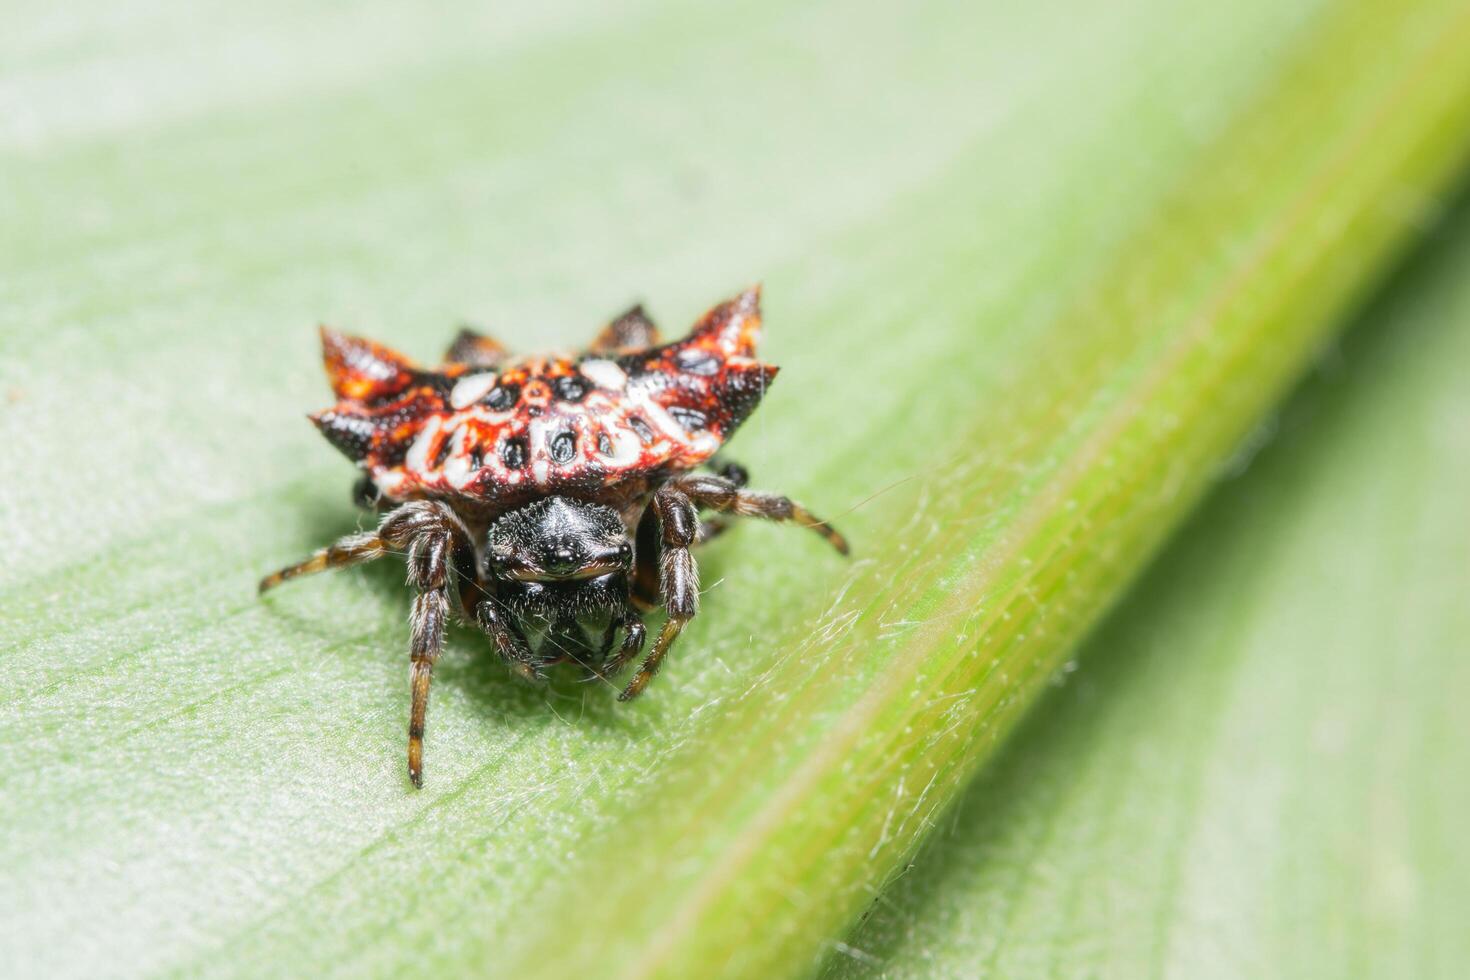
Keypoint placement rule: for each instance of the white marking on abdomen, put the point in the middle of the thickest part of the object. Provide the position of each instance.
(471, 389)
(457, 470)
(417, 457)
(604, 373)
(626, 446)
(665, 422)
(539, 451)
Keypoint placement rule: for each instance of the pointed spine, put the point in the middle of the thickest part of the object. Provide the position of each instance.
(731, 329)
(739, 390)
(630, 331)
(477, 350)
(363, 370)
(352, 435)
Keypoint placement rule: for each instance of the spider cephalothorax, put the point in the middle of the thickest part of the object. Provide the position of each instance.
(544, 494)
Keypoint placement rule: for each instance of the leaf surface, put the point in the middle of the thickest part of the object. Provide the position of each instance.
(1257, 767)
(1030, 274)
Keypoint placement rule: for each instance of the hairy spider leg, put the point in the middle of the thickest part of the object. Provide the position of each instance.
(721, 494)
(438, 547)
(635, 634)
(676, 505)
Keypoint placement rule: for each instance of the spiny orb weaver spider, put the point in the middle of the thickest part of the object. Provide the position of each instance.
(538, 494)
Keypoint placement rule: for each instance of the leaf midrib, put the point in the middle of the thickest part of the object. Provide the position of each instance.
(1058, 485)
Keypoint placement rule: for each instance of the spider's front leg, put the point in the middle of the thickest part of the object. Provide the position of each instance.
(676, 505)
(438, 548)
(438, 545)
(678, 521)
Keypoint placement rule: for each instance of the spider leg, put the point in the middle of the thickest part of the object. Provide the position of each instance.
(509, 641)
(730, 470)
(738, 475)
(354, 549)
(676, 507)
(678, 579)
(438, 548)
(721, 494)
(634, 636)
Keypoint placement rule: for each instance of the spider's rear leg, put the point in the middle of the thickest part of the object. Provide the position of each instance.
(438, 547)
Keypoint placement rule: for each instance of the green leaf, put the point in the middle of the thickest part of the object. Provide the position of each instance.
(1258, 767)
(1030, 274)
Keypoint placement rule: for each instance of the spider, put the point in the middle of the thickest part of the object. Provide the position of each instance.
(536, 496)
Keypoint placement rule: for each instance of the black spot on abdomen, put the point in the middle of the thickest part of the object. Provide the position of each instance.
(689, 418)
(563, 446)
(640, 427)
(695, 361)
(513, 453)
(502, 397)
(570, 388)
